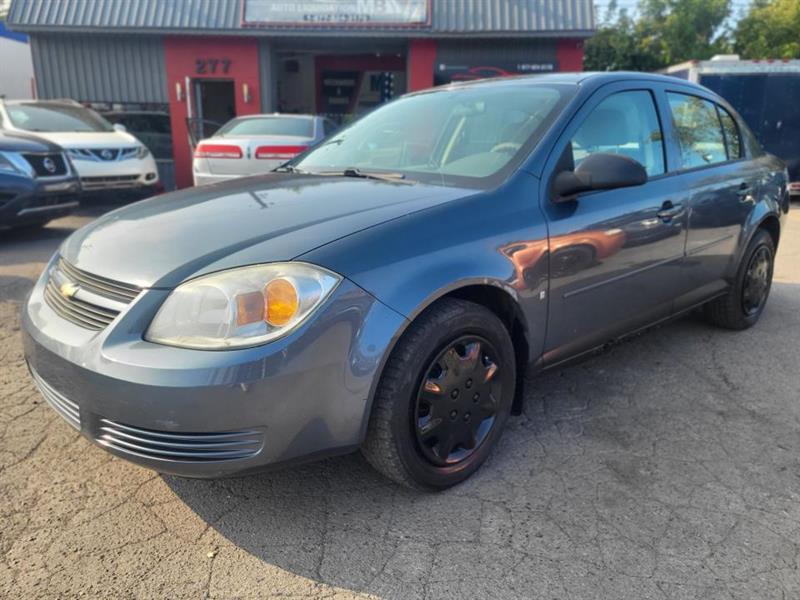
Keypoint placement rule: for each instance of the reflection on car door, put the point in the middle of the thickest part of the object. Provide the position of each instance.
(723, 186)
(614, 255)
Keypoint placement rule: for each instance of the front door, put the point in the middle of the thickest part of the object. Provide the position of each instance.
(615, 256)
(214, 102)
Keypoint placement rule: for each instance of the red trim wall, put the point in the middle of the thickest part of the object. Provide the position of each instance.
(421, 64)
(569, 54)
(180, 55)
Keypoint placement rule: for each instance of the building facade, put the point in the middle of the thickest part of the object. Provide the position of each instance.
(17, 79)
(202, 62)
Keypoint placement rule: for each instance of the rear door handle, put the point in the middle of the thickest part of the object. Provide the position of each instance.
(744, 190)
(669, 210)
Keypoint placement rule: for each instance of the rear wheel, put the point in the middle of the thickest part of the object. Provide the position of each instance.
(742, 306)
(443, 398)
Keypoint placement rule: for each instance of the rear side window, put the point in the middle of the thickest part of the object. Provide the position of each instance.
(624, 123)
(732, 140)
(699, 131)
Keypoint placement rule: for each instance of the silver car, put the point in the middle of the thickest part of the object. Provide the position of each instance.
(256, 144)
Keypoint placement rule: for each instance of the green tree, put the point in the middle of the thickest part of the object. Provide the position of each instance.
(664, 32)
(771, 29)
(618, 45)
(685, 29)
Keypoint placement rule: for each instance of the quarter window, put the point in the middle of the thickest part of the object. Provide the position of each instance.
(625, 123)
(699, 131)
(732, 139)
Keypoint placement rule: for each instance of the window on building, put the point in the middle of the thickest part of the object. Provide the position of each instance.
(625, 123)
(699, 131)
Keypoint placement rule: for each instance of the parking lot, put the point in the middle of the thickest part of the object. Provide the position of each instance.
(664, 468)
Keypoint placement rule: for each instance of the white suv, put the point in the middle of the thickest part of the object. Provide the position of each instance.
(106, 157)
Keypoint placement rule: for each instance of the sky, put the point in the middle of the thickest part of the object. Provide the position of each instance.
(739, 6)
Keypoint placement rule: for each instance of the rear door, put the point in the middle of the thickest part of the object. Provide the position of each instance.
(723, 184)
(615, 255)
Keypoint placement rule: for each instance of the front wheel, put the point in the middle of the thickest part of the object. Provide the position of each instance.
(742, 306)
(443, 398)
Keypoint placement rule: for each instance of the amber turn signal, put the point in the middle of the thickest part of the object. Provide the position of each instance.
(282, 302)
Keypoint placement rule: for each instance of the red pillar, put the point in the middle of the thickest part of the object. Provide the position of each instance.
(421, 64)
(569, 54)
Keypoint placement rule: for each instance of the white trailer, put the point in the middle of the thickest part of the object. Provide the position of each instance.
(767, 95)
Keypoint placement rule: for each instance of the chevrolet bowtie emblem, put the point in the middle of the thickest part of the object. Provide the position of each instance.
(68, 289)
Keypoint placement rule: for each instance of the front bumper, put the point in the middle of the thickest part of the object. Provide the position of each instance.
(176, 410)
(128, 174)
(34, 201)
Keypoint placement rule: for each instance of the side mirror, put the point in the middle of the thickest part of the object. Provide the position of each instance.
(120, 127)
(599, 171)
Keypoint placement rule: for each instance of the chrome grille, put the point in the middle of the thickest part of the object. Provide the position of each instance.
(47, 165)
(103, 154)
(81, 313)
(115, 290)
(58, 402)
(184, 447)
(86, 300)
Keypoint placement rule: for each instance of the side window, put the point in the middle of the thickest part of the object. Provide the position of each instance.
(625, 123)
(699, 130)
(732, 140)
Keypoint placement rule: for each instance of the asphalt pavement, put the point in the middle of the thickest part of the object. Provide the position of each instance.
(667, 467)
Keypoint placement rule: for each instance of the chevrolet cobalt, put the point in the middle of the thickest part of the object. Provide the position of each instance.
(388, 289)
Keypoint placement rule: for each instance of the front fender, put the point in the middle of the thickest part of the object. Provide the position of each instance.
(411, 262)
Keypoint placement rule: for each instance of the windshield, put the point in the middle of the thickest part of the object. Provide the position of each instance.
(473, 135)
(56, 118)
(290, 126)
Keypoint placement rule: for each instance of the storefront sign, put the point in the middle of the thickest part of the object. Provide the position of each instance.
(446, 73)
(336, 12)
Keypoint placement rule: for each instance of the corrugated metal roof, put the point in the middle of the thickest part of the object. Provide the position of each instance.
(449, 17)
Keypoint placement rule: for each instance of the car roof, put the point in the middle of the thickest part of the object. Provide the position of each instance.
(278, 115)
(64, 102)
(596, 78)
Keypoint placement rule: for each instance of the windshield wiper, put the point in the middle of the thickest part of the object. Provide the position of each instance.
(358, 173)
(289, 169)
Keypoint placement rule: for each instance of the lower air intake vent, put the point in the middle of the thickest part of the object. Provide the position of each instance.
(58, 402)
(182, 447)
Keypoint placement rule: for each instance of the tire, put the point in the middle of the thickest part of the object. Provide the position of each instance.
(428, 410)
(737, 309)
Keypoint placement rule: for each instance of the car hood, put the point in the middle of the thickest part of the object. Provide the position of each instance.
(89, 139)
(164, 240)
(23, 142)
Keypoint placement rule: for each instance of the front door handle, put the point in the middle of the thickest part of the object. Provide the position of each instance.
(669, 211)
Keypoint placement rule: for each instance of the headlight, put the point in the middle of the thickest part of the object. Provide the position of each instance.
(10, 163)
(142, 152)
(241, 307)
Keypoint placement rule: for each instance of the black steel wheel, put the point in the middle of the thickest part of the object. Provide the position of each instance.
(742, 306)
(443, 398)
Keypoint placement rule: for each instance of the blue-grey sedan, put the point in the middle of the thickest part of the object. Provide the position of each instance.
(389, 289)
